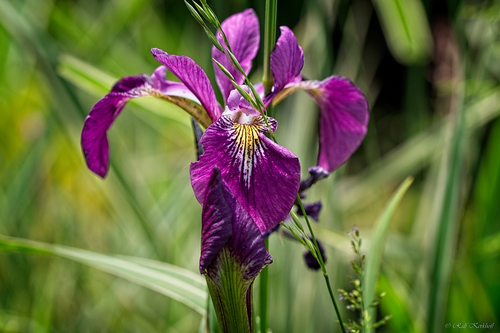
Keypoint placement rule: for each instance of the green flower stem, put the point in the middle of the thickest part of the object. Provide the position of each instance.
(269, 42)
(263, 293)
(229, 290)
(267, 80)
(321, 263)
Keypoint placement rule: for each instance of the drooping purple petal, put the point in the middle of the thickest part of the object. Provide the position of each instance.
(94, 139)
(128, 83)
(193, 77)
(263, 176)
(102, 115)
(227, 225)
(343, 107)
(287, 59)
(242, 32)
(343, 117)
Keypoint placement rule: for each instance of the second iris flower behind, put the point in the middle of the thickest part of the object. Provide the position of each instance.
(263, 176)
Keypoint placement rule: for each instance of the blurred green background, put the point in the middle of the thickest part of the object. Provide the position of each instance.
(430, 70)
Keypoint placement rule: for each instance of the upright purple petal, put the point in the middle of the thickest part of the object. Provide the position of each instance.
(94, 139)
(287, 59)
(263, 176)
(242, 32)
(227, 225)
(193, 77)
(236, 102)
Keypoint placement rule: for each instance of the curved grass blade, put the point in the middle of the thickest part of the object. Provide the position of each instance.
(169, 280)
(374, 257)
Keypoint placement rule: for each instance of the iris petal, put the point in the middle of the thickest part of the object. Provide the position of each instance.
(287, 59)
(170, 88)
(102, 115)
(193, 77)
(242, 32)
(263, 176)
(343, 107)
(343, 119)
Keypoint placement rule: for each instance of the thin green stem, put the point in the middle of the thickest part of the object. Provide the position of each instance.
(269, 42)
(321, 263)
(263, 293)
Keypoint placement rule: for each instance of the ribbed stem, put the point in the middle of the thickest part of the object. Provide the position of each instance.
(269, 42)
(267, 80)
(263, 293)
(231, 295)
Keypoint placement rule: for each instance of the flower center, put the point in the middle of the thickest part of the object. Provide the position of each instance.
(249, 148)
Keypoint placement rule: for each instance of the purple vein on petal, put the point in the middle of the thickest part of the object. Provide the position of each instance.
(263, 176)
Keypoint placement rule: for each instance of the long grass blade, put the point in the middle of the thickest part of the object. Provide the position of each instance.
(447, 232)
(374, 254)
(406, 29)
(169, 280)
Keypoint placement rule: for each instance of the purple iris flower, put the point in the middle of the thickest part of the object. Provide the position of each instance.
(263, 177)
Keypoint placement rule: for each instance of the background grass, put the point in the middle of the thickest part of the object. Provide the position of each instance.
(435, 100)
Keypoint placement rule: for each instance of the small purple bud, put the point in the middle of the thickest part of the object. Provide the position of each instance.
(311, 262)
(312, 210)
(198, 132)
(355, 230)
(316, 174)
